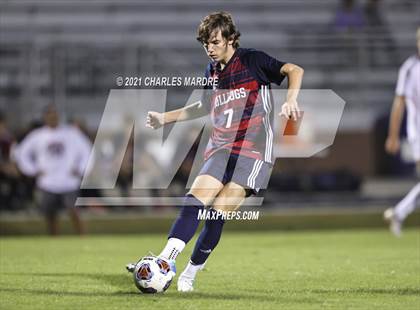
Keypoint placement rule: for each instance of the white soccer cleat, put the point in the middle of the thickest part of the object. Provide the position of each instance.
(395, 224)
(185, 284)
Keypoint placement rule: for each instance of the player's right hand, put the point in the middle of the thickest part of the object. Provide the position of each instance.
(392, 145)
(154, 120)
(290, 110)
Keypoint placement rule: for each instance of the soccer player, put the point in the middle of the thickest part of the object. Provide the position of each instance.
(407, 94)
(238, 158)
(56, 155)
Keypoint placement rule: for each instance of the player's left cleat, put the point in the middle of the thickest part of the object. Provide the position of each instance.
(395, 224)
(187, 277)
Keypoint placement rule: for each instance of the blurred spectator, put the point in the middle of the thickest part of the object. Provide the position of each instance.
(56, 155)
(349, 17)
(5, 138)
(9, 175)
(348, 23)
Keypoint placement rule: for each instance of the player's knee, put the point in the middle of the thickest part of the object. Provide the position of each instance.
(226, 204)
(205, 196)
(224, 207)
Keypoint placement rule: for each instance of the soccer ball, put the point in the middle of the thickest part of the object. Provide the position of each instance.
(153, 275)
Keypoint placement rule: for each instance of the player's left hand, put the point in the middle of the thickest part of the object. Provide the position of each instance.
(290, 109)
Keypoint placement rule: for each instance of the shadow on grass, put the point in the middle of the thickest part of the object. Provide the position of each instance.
(124, 287)
(350, 291)
(122, 281)
(166, 296)
(48, 292)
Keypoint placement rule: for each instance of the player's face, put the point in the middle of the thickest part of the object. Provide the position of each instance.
(51, 118)
(218, 48)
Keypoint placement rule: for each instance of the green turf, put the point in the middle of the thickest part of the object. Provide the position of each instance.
(271, 270)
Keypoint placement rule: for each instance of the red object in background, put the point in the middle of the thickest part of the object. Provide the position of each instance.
(292, 126)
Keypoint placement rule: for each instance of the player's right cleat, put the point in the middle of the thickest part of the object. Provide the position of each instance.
(131, 266)
(185, 283)
(394, 223)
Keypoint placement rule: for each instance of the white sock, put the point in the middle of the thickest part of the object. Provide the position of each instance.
(172, 249)
(191, 270)
(408, 204)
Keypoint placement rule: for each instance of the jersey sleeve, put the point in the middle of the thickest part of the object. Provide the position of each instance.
(25, 155)
(402, 77)
(265, 68)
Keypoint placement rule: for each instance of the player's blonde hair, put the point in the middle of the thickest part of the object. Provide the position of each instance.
(222, 21)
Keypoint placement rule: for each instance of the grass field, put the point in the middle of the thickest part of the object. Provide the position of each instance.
(359, 269)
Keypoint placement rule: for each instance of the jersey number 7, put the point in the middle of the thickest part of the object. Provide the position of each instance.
(229, 118)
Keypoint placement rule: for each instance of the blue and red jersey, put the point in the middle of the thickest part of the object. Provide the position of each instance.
(240, 105)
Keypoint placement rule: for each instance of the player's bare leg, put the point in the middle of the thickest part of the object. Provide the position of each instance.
(396, 216)
(205, 188)
(76, 220)
(230, 198)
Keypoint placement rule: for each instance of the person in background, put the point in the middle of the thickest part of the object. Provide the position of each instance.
(9, 175)
(407, 94)
(56, 156)
(349, 17)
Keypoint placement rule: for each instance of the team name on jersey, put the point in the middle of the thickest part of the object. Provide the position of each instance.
(227, 97)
